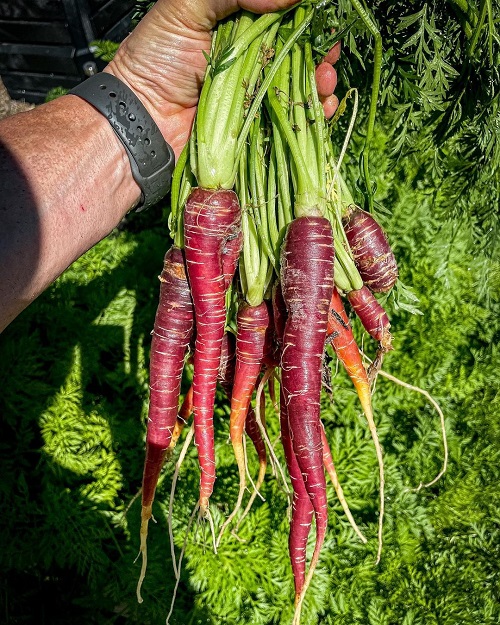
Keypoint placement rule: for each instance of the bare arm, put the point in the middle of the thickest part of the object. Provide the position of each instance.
(65, 182)
(65, 178)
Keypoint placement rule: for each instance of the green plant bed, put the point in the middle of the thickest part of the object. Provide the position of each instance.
(74, 404)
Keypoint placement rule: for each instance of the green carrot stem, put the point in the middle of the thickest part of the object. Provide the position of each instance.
(256, 246)
(318, 126)
(258, 190)
(241, 44)
(284, 216)
(221, 110)
(298, 96)
(483, 9)
(347, 264)
(247, 80)
(284, 198)
(221, 88)
(304, 182)
(267, 81)
(250, 257)
(272, 191)
(175, 196)
(281, 84)
(251, 254)
(186, 187)
(341, 280)
(377, 69)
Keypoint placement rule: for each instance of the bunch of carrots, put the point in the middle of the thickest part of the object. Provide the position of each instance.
(267, 243)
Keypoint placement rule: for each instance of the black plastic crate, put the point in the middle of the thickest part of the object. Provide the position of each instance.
(46, 43)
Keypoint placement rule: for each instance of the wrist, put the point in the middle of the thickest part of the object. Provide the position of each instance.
(151, 158)
(105, 157)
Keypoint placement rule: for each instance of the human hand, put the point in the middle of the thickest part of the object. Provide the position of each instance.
(162, 59)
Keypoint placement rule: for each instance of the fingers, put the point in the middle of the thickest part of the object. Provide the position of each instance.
(326, 81)
(204, 14)
(266, 6)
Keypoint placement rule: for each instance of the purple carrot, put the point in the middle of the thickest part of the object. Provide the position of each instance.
(372, 253)
(172, 331)
(212, 219)
(372, 315)
(307, 284)
(302, 508)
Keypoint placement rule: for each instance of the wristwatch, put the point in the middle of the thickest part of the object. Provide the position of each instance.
(151, 158)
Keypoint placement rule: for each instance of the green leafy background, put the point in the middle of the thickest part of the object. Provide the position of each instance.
(74, 402)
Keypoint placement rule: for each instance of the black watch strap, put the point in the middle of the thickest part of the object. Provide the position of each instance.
(151, 158)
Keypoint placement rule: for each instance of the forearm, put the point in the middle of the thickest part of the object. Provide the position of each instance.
(65, 183)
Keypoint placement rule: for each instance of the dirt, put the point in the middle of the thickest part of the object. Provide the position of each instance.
(9, 106)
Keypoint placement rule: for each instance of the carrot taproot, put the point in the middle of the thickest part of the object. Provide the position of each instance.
(372, 315)
(211, 219)
(302, 508)
(172, 331)
(253, 430)
(252, 344)
(372, 253)
(340, 335)
(307, 283)
(226, 378)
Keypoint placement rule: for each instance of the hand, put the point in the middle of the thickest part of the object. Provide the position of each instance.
(162, 59)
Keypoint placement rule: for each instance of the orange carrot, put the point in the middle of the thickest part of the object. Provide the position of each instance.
(339, 334)
(252, 344)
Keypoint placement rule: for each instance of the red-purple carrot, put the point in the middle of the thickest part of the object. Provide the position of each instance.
(279, 315)
(172, 331)
(302, 508)
(212, 218)
(372, 315)
(372, 253)
(307, 283)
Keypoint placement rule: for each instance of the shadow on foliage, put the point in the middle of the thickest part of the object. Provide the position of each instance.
(72, 448)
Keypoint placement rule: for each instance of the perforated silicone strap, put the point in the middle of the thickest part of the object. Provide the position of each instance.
(151, 158)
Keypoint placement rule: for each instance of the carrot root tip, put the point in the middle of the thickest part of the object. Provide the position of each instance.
(146, 514)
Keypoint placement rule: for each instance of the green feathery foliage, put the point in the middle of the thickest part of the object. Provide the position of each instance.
(74, 406)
